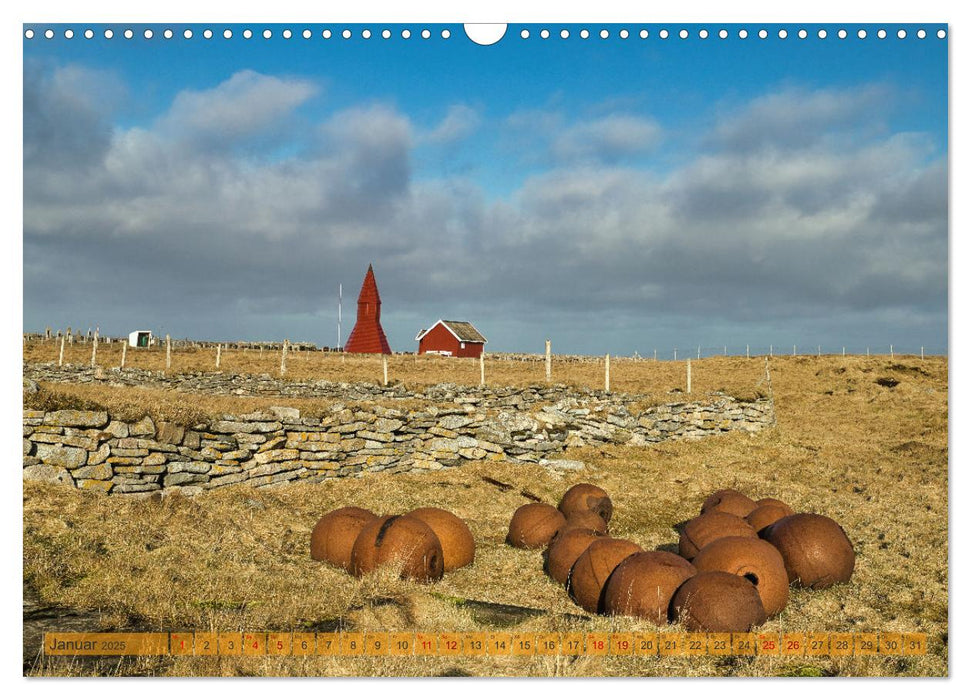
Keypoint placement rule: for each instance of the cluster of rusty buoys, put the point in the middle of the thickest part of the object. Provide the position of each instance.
(737, 559)
(425, 543)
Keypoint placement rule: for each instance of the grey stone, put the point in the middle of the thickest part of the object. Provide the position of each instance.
(188, 467)
(49, 473)
(146, 426)
(183, 478)
(117, 428)
(228, 426)
(170, 433)
(77, 419)
(285, 413)
(101, 472)
(67, 457)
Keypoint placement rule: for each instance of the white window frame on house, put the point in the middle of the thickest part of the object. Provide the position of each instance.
(463, 346)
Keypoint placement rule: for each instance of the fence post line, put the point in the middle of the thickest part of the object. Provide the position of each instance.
(283, 356)
(607, 373)
(124, 351)
(219, 352)
(168, 351)
(689, 375)
(60, 357)
(549, 362)
(482, 369)
(94, 350)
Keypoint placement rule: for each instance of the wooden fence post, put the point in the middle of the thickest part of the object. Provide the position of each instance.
(746, 352)
(219, 352)
(124, 351)
(689, 375)
(384, 367)
(60, 358)
(868, 352)
(844, 351)
(283, 357)
(549, 362)
(655, 354)
(770, 351)
(675, 354)
(793, 350)
(482, 369)
(607, 373)
(922, 353)
(891, 352)
(168, 351)
(94, 350)
(699, 352)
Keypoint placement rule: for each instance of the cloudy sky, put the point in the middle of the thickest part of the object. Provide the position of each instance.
(614, 195)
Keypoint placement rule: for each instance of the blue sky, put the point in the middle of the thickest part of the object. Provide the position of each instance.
(614, 195)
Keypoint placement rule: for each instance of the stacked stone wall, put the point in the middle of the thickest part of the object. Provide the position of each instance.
(91, 450)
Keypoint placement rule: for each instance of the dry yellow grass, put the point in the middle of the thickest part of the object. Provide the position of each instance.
(872, 457)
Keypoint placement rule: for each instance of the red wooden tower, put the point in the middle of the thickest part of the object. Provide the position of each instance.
(368, 336)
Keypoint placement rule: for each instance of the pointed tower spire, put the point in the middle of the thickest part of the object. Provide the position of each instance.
(368, 336)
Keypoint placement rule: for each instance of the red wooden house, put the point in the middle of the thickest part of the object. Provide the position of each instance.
(454, 338)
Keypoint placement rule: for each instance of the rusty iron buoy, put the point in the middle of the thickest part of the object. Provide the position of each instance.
(643, 584)
(709, 527)
(816, 551)
(333, 536)
(587, 519)
(715, 601)
(766, 514)
(458, 546)
(752, 559)
(728, 501)
(594, 566)
(402, 540)
(534, 525)
(564, 550)
(583, 497)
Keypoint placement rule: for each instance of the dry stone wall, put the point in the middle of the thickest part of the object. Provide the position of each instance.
(90, 450)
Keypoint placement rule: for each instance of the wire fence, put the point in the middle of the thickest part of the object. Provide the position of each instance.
(702, 351)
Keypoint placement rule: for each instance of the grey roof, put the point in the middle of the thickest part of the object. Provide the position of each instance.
(465, 331)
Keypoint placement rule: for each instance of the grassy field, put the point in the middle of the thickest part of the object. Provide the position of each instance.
(849, 443)
(627, 375)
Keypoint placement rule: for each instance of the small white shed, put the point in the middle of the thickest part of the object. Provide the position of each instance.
(139, 339)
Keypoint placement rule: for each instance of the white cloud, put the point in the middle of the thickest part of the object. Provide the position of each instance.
(611, 138)
(459, 122)
(243, 105)
(794, 117)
